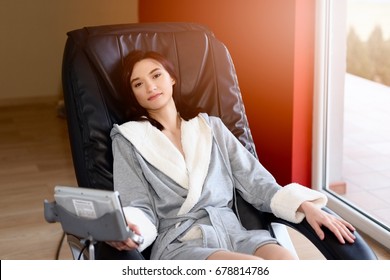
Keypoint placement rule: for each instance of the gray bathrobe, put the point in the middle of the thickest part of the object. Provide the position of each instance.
(186, 202)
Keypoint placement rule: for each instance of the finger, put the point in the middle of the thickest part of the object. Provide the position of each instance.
(348, 235)
(338, 235)
(123, 245)
(115, 244)
(130, 244)
(348, 225)
(317, 228)
(135, 229)
(343, 233)
(346, 230)
(335, 227)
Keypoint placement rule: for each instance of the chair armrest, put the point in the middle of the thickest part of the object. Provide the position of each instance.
(330, 247)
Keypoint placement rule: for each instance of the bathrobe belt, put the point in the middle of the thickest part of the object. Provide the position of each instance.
(185, 222)
(169, 223)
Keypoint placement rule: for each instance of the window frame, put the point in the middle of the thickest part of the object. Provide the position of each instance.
(329, 66)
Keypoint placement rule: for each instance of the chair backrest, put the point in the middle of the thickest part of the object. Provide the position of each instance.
(92, 66)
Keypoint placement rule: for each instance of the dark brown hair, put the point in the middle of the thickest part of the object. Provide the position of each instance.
(135, 111)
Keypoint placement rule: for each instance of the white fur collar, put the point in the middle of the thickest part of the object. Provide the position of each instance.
(190, 171)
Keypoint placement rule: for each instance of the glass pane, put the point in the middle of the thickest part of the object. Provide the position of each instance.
(364, 176)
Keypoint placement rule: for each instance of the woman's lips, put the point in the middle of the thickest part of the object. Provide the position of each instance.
(157, 95)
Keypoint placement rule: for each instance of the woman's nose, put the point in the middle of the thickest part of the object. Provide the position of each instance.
(151, 86)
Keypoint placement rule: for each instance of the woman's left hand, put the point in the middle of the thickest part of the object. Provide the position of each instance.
(317, 217)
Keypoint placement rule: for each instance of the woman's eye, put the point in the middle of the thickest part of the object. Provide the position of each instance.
(156, 75)
(136, 85)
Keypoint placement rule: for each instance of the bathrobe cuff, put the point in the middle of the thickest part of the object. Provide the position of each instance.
(286, 201)
(147, 229)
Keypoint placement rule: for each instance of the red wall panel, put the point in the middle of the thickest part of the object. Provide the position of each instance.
(267, 48)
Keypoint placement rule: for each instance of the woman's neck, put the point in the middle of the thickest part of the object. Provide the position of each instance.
(168, 118)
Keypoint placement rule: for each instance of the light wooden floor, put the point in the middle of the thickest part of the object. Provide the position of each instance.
(34, 157)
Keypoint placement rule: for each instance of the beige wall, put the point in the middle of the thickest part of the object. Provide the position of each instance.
(32, 39)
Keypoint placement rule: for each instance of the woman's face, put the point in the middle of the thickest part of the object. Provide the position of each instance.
(152, 85)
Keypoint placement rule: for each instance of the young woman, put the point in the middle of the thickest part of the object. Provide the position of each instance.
(177, 171)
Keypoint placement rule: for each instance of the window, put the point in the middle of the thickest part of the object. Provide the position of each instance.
(351, 158)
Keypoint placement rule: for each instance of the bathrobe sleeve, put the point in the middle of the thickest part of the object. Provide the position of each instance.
(256, 185)
(133, 188)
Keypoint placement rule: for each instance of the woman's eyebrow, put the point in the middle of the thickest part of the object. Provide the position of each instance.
(154, 70)
(151, 72)
(133, 80)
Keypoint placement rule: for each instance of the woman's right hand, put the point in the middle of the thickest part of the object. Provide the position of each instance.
(128, 244)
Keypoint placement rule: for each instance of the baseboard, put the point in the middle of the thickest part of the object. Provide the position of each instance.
(339, 187)
(33, 100)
